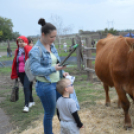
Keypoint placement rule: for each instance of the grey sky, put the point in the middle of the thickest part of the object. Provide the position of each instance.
(82, 14)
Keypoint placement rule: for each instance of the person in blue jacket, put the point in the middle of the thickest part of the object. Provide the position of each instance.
(44, 63)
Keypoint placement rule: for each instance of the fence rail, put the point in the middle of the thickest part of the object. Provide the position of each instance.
(84, 55)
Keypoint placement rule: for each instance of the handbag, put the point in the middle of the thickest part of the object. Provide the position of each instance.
(15, 91)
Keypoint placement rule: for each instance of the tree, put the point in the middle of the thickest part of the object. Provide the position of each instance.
(58, 23)
(106, 30)
(111, 30)
(1, 33)
(61, 29)
(6, 26)
(81, 31)
(15, 35)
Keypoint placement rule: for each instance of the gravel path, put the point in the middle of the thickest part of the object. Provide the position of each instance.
(5, 125)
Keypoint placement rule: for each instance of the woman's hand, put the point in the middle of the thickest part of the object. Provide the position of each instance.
(65, 74)
(24, 44)
(57, 67)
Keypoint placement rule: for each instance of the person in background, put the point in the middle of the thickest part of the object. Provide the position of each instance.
(9, 52)
(30, 41)
(93, 43)
(44, 63)
(66, 109)
(65, 47)
(18, 71)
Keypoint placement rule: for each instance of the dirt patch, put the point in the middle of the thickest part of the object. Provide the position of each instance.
(3, 53)
(5, 125)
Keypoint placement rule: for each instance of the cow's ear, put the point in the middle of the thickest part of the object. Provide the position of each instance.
(130, 43)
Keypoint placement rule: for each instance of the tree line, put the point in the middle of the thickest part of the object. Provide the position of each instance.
(106, 30)
(6, 29)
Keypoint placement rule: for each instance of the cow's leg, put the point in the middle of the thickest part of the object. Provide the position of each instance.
(125, 105)
(107, 94)
(119, 103)
(132, 97)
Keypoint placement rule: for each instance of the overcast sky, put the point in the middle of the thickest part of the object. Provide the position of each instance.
(82, 14)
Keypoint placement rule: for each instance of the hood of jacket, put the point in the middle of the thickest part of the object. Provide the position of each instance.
(23, 38)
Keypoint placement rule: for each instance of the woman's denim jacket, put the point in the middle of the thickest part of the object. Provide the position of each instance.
(40, 61)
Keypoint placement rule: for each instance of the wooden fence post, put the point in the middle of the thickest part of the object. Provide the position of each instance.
(73, 43)
(78, 53)
(89, 59)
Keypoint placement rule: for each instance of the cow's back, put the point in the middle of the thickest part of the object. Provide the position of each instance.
(113, 60)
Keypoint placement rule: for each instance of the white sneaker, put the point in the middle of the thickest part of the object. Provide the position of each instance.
(31, 104)
(26, 109)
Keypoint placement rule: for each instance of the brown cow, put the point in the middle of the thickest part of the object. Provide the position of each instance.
(114, 65)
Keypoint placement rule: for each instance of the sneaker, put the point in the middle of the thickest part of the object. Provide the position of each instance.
(31, 104)
(26, 109)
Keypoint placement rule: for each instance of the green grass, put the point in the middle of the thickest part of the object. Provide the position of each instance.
(84, 90)
(4, 50)
(93, 54)
(64, 54)
(14, 110)
(3, 47)
(5, 71)
(93, 62)
(68, 41)
(61, 51)
(5, 58)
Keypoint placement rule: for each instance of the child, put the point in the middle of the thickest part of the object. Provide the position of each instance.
(65, 47)
(66, 109)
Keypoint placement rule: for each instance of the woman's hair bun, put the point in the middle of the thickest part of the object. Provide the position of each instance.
(41, 22)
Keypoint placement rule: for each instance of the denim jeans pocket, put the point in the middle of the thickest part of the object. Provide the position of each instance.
(42, 87)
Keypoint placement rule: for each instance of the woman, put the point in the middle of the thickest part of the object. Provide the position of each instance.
(44, 61)
(21, 55)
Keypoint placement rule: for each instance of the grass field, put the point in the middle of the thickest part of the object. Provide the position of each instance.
(97, 118)
(60, 52)
(14, 109)
(5, 58)
(83, 88)
(3, 47)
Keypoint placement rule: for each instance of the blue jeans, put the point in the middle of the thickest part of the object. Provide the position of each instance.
(27, 85)
(48, 96)
(9, 54)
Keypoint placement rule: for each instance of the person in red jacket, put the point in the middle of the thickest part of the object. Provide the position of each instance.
(21, 55)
